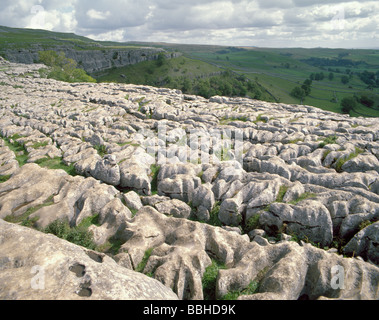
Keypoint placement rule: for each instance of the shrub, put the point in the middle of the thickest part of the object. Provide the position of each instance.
(252, 223)
(78, 235)
(328, 140)
(63, 69)
(101, 150)
(348, 104)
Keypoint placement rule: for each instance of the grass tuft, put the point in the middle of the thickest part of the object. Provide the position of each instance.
(209, 279)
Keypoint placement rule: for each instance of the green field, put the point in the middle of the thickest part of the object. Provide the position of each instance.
(268, 74)
(277, 71)
(148, 73)
(280, 70)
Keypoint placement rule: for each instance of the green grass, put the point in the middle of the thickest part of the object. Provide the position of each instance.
(274, 71)
(38, 145)
(251, 224)
(78, 235)
(282, 191)
(27, 38)
(24, 218)
(250, 289)
(17, 148)
(328, 140)
(209, 279)
(154, 178)
(56, 163)
(89, 221)
(148, 72)
(4, 178)
(141, 266)
(304, 196)
(101, 150)
(267, 66)
(260, 119)
(341, 161)
(227, 120)
(213, 216)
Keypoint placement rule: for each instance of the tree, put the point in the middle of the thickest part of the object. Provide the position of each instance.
(348, 104)
(62, 68)
(345, 79)
(319, 76)
(307, 87)
(161, 59)
(367, 101)
(298, 93)
(331, 76)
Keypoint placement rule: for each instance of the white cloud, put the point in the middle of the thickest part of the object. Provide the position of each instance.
(98, 15)
(227, 22)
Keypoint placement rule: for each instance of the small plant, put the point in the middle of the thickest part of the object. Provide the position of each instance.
(141, 266)
(78, 235)
(24, 219)
(213, 216)
(259, 119)
(209, 279)
(4, 178)
(250, 289)
(304, 196)
(295, 141)
(252, 223)
(101, 150)
(341, 161)
(17, 148)
(92, 220)
(325, 154)
(56, 163)
(282, 191)
(38, 145)
(328, 140)
(154, 177)
(365, 224)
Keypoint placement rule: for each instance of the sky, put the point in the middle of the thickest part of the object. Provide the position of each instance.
(261, 23)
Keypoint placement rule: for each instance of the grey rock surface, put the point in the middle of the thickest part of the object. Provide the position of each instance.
(277, 208)
(45, 267)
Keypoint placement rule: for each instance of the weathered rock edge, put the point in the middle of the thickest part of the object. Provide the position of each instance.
(31, 259)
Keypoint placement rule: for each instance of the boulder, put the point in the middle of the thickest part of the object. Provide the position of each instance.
(174, 207)
(107, 170)
(362, 163)
(365, 244)
(132, 200)
(45, 267)
(308, 218)
(112, 218)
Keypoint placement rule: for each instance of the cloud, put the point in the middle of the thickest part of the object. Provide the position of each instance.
(98, 15)
(226, 22)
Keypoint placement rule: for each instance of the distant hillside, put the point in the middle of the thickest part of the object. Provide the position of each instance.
(23, 45)
(271, 74)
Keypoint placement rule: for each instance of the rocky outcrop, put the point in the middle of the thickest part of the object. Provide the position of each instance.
(98, 59)
(286, 199)
(37, 266)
